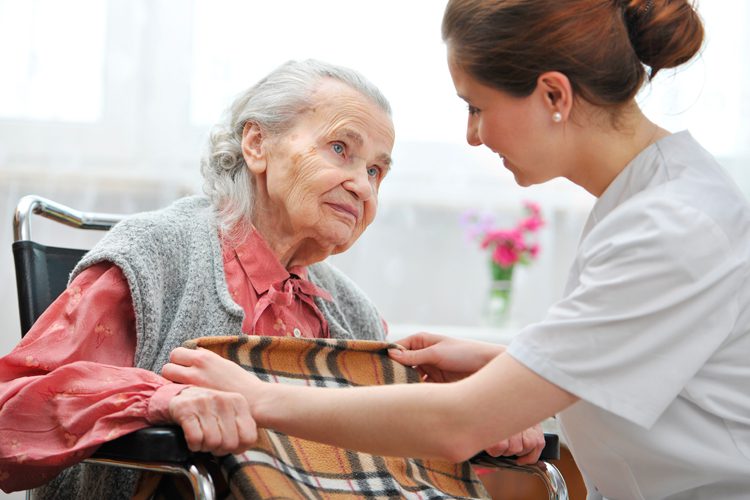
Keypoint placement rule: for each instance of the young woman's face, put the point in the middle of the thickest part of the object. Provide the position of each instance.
(513, 127)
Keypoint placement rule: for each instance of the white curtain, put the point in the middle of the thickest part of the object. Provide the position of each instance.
(105, 104)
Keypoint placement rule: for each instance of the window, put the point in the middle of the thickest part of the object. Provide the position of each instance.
(709, 96)
(128, 88)
(53, 64)
(104, 84)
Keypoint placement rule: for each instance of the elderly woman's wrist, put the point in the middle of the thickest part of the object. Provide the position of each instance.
(158, 405)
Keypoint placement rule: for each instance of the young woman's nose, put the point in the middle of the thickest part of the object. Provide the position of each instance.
(472, 134)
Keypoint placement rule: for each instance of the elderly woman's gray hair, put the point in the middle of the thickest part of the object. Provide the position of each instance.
(273, 103)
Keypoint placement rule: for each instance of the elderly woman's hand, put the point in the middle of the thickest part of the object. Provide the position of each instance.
(213, 421)
(527, 446)
(215, 414)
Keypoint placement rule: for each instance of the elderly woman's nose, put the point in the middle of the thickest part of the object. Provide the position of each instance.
(359, 184)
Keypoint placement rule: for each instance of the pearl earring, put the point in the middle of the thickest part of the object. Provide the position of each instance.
(557, 117)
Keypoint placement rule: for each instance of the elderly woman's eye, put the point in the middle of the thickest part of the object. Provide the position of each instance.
(373, 171)
(338, 148)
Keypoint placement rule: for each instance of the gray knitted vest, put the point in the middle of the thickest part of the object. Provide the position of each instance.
(173, 262)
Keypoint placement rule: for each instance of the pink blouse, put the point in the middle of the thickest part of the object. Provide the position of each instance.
(70, 384)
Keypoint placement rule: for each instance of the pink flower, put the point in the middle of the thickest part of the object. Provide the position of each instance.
(505, 255)
(502, 237)
(533, 207)
(476, 224)
(534, 250)
(507, 246)
(531, 224)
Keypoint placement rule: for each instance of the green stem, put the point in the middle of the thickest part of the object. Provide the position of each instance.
(500, 273)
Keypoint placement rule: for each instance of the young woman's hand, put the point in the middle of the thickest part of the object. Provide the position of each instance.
(205, 368)
(444, 359)
(213, 421)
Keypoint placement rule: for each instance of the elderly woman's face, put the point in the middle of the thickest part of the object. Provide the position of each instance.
(320, 180)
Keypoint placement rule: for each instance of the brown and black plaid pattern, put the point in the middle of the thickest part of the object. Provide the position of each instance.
(281, 466)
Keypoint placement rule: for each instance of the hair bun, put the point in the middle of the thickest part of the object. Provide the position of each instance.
(636, 12)
(664, 33)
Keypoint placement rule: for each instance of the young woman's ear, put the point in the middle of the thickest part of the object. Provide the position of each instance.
(557, 94)
(253, 149)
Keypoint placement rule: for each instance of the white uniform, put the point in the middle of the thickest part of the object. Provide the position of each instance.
(654, 333)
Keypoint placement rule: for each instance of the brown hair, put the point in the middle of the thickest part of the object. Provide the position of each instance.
(600, 45)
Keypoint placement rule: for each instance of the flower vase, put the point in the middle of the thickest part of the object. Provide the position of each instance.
(497, 307)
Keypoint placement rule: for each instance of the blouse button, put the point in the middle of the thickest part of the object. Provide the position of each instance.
(297, 333)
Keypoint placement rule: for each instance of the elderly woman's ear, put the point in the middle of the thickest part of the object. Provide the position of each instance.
(253, 149)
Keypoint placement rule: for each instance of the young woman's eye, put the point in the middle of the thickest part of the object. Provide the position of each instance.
(473, 110)
(338, 148)
(373, 171)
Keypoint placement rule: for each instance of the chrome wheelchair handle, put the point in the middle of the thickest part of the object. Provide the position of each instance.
(32, 204)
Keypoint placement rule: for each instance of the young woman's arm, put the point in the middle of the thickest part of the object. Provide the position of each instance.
(450, 421)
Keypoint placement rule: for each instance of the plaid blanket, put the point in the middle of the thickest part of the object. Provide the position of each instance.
(282, 466)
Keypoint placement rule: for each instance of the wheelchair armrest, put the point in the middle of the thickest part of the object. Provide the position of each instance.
(551, 451)
(165, 443)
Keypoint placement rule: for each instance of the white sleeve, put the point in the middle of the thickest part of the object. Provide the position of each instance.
(655, 297)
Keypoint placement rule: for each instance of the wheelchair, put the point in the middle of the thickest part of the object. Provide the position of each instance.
(42, 273)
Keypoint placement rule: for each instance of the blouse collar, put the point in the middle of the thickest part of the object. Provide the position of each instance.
(263, 268)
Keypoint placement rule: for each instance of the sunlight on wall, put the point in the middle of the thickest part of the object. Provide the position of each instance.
(706, 95)
(52, 62)
(382, 40)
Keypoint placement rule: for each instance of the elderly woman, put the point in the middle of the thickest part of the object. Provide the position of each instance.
(291, 178)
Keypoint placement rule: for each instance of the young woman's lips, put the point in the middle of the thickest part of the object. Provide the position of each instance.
(506, 163)
(502, 158)
(346, 209)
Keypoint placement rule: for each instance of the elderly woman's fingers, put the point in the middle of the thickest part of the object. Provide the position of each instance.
(214, 421)
(498, 449)
(527, 446)
(213, 433)
(183, 410)
(533, 443)
(193, 432)
(247, 432)
(507, 447)
(237, 428)
(515, 445)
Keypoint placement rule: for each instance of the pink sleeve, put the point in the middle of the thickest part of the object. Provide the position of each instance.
(70, 385)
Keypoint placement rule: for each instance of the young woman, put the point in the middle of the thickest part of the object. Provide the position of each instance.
(644, 359)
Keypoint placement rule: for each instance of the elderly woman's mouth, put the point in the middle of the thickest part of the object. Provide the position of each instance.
(346, 209)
